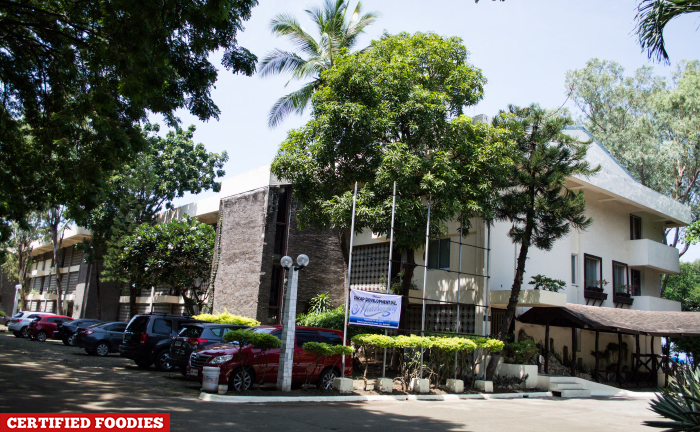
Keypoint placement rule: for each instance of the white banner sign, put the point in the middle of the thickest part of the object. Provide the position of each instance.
(374, 310)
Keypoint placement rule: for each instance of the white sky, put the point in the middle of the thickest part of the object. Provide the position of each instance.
(524, 49)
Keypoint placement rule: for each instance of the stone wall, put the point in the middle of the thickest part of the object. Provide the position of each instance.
(326, 271)
(237, 286)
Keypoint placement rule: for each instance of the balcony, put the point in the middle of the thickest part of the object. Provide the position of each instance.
(655, 304)
(658, 256)
(528, 298)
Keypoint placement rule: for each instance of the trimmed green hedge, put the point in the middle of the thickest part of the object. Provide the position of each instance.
(227, 318)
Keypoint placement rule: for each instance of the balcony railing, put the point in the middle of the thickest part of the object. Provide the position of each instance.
(649, 253)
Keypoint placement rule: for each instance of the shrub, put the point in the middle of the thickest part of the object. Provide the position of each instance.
(545, 283)
(679, 403)
(521, 352)
(227, 318)
(321, 303)
(2, 314)
(333, 319)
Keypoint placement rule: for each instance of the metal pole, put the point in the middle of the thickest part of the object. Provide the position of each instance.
(347, 291)
(488, 278)
(286, 360)
(459, 285)
(388, 278)
(18, 287)
(425, 282)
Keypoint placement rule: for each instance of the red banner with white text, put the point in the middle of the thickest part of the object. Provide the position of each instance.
(109, 422)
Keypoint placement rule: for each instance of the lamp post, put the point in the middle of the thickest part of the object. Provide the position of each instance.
(284, 373)
(14, 305)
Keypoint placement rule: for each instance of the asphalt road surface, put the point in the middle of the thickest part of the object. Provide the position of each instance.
(48, 377)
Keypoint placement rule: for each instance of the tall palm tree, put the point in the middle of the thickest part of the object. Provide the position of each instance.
(652, 17)
(313, 56)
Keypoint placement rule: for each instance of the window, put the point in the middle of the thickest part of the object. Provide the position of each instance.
(279, 249)
(635, 227)
(636, 282)
(162, 326)
(439, 254)
(574, 269)
(304, 336)
(593, 271)
(619, 277)
(331, 338)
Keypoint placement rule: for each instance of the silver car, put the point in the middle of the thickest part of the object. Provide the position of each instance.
(19, 324)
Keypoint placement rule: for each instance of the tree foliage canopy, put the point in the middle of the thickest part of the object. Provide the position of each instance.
(394, 113)
(176, 253)
(77, 77)
(652, 18)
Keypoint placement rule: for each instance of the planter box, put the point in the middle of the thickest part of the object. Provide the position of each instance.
(596, 295)
(508, 369)
(622, 299)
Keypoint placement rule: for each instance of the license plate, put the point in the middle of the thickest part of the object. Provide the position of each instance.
(177, 343)
(193, 372)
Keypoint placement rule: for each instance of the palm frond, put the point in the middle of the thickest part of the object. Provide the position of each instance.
(278, 62)
(294, 102)
(287, 25)
(652, 17)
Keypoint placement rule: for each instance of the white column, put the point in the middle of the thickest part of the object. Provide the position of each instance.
(284, 372)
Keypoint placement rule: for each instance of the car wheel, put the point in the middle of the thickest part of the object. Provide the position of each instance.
(66, 342)
(71, 340)
(325, 381)
(90, 351)
(102, 349)
(24, 332)
(162, 361)
(41, 336)
(241, 379)
(142, 364)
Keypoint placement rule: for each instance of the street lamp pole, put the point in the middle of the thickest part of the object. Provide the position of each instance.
(284, 372)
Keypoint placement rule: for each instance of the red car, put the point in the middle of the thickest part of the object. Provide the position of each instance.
(41, 327)
(239, 377)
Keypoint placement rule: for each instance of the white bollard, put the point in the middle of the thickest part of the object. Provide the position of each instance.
(210, 378)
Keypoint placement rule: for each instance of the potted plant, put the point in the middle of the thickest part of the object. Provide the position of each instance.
(596, 285)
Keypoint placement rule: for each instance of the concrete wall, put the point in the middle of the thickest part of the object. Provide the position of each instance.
(7, 293)
(237, 287)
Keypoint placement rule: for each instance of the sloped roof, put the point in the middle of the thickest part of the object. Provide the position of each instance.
(673, 324)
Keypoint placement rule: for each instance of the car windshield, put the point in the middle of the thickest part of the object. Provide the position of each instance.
(18, 315)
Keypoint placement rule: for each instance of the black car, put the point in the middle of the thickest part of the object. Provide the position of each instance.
(147, 339)
(194, 336)
(66, 331)
(101, 339)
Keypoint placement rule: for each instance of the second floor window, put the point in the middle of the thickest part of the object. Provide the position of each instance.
(439, 254)
(635, 227)
(620, 278)
(592, 272)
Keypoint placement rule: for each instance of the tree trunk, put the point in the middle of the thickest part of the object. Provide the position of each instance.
(132, 301)
(97, 288)
(408, 269)
(512, 301)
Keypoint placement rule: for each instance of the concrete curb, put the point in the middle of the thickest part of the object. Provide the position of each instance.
(207, 397)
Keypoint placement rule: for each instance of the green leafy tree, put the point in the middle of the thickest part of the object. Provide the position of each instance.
(168, 168)
(537, 203)
(56, 221)
(685, 287)
(18, 259)
(394, 113)
(176, 253)
(652, 18)
(649, 125)
(337, 32)
(79, 76)
(543, 282)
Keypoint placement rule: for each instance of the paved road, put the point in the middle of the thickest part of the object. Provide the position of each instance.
(48, 377)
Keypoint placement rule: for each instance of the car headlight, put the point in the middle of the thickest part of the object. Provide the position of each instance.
(220, 359)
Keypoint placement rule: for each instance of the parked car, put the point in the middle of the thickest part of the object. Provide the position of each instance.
(66, 331)
(42, 326)
(147, 339)
(100, 339)
(194, 336)
(241, 370)
(19, 324)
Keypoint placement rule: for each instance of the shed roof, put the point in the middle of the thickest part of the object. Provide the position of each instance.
(674, 324)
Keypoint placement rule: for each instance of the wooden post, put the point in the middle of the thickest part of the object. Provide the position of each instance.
(619, 359)
(573, 351)
(667, 361)
(636, 364)
(546, 349)
(597, 336)
(654, 371)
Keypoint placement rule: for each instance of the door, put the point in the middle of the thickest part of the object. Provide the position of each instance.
(116, 333)
(304, 362)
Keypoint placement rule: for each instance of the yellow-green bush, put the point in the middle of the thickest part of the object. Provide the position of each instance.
(227, 317)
